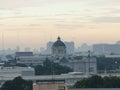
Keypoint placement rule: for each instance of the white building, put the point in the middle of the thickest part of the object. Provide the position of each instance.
(28, 58)
(84, 65)
(32, 60)
(16, 71)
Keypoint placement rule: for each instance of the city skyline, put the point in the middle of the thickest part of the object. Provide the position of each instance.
(32, 23)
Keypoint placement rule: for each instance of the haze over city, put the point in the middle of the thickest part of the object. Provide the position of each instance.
(32, 23)
(59, 44)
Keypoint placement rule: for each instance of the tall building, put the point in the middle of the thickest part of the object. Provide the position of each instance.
(17, 48)
(70, 47)
(27, 49)
(84, 48)
(49, 46)
(118, 42)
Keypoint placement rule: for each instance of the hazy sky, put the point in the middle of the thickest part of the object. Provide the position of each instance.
(32, 23)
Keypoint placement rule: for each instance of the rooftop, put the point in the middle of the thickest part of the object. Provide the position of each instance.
(59, 42)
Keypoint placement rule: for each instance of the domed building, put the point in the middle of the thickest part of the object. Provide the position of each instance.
(85, 65)
(58, 49)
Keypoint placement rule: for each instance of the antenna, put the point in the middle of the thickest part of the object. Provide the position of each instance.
(89, 61)
(52, 69)
(3, 48)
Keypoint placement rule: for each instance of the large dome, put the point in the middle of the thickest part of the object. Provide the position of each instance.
(59, 43)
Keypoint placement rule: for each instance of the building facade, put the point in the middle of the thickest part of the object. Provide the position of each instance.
(85, 65)
(50, 85)
(58, 49)
(16, 71)
(70, 47)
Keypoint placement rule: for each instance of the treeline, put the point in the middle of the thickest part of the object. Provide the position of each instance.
(17, 84)
(99, 82)
(108, 64)
(50, 68)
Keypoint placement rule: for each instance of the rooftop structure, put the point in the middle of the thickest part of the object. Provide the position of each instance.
(50, 85)
(18, 54)
(58, 49)
(59, 42)
(16, 71)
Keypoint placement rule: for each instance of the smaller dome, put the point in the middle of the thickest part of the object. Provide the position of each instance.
(59, 42)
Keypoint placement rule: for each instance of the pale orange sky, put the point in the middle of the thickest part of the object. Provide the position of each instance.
(32, 23)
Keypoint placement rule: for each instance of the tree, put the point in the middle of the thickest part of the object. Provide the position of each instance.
(50, 68)
(98, 82)
(108, 64)
(21, 65)
(93, 82)
(17, 84)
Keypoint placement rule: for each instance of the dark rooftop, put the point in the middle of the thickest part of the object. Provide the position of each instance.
(17, 54)
(59, 42)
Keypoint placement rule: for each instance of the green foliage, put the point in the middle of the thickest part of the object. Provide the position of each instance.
(98, 82)
(21, 65)
(50, 68)
(17, 84)
(108, 64)
(9, 57)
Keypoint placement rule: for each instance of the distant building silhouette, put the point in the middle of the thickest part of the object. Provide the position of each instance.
(27, 49)
(103, 49)
(70, 47)
(49, 46)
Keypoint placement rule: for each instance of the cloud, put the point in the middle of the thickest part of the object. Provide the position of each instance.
(1, 24)
(69, 26)
(34, 25)
(27, 3)
(30, 3)
(107, 19)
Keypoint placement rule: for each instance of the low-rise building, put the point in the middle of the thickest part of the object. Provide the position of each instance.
(32, 60)
(84, 65)
(16, 71)
(50, 85)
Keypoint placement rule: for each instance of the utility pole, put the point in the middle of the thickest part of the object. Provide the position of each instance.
(89, 62)
(3, 50)
(52, 69)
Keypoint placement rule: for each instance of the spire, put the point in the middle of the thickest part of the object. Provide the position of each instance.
(58, 38)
